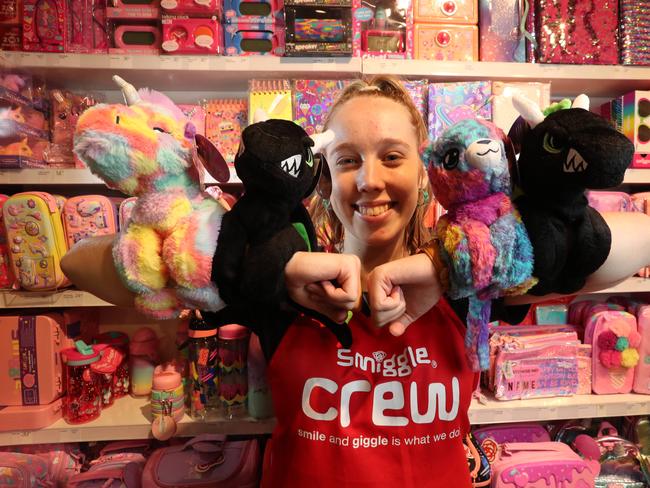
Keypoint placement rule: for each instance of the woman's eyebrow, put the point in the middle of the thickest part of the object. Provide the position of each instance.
(343, 146)
(391, 141)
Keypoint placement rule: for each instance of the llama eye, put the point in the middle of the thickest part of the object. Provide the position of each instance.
(159, 129)
(451, 158)
(117, 120)
(552, 144)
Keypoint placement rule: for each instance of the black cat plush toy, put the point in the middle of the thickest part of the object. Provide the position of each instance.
(269, 223)
(560, 156)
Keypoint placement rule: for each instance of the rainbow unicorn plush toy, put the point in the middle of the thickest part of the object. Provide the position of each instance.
(149, 149)
(482, 240)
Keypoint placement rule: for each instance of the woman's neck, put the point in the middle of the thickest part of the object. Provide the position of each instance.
(371, 257)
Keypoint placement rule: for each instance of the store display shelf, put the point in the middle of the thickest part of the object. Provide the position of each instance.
(52, 176)
(196, 73)
(634, 284)
(542, 409)
(49, 299)
(596, 81)
(637, 176)
(130, 418)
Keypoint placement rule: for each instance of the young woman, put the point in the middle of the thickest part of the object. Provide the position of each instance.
(392, 410)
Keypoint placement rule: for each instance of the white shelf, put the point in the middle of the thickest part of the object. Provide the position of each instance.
(49, 299)
(596, 81)
(574, 407)
(47, 176)
(637, 176)
(635, 284)
(176, 73)
(130, 418)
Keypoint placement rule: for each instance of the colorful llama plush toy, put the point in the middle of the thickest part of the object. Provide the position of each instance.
(482, 239)
(149, 149)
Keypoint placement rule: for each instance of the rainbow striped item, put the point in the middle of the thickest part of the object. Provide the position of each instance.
(147, 149)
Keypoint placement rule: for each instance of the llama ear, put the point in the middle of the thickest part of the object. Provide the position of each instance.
(528, 109)
(212, 159)
(581, 101)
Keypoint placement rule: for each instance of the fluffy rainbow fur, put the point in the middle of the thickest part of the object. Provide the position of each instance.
(147, 150)
(483, 241)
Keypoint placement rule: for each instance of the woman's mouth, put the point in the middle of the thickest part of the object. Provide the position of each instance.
(373, 210)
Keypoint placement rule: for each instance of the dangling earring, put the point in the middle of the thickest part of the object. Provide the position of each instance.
(326, 204)
(423, 196)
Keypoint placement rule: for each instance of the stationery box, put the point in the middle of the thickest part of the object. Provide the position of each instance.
(382, 30)
(577, 31)
(446, 11)
(451, 102)
(446, 42)
(501, 37)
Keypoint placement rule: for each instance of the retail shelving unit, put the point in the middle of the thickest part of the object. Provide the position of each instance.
(129, 418)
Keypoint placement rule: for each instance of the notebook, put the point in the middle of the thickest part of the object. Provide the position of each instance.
(224, 121)
(272, 96)
(312, 99)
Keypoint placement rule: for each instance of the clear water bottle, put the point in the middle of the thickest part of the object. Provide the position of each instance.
(203, 381)
(233, 371)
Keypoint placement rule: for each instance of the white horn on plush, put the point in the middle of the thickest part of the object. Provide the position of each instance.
(131, 95)
(260, 115)
(322, 140)
(527, 109)
(581, 101)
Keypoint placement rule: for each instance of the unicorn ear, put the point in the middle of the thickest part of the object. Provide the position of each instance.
(528, 109)
(581, 101)
(260, 115)
(322, 140)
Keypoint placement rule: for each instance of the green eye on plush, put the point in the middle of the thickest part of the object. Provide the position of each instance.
(552, 144)
(310, 158)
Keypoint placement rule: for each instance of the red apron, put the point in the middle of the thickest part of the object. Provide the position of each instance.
(392, 411)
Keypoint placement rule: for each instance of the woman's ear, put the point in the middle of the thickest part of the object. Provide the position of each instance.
(324, 186)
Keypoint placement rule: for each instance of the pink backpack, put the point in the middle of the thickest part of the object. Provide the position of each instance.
(18, 470)
(205, 461)
(63, 460)
(508, 433)
(119, 465)
(534, 465)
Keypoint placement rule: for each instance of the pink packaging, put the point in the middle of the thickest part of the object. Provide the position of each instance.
(451, 102)
(447, 12)
(183, 35)
(500, 31)
(142, 9)
(445, 42)
(584, 369)
(577, 32)
(205, 8)
(44, 25)
(507, 433)
(196, 114)
(24, 470)
(610, 201)
(418, 89)
(542, 465)
(641, 202)
(312, 100)
(615, 341)
(224, 121)
(32, 344)
(64, 460)
(87, 27)
(641, 383)
(544, 371)
(382, 30)
(136, 39)
(10, 11)
(88, 216)
(30, 417)
(11, 37)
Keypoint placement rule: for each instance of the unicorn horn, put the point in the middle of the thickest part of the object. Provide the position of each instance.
(581, 101)
(322, 140)
(131, 95)
(528, 109)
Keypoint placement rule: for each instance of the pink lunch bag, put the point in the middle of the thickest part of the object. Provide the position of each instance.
(18, 470)
(205, 461)
(490, 436)
(63, 460)
(542, 465)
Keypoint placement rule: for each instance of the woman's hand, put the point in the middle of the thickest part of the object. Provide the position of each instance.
(326, 283)
(403, 290)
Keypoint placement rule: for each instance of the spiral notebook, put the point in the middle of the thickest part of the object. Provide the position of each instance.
(312, 100)
(224, 121)
(272, 96)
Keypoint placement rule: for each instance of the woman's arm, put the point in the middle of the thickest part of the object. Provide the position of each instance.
(89, 265)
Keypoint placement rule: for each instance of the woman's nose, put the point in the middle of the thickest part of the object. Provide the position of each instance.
(370, 176)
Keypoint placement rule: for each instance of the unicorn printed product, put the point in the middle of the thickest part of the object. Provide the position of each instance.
(119, 381)
(233, 374)
(83, 400)
(452, 102)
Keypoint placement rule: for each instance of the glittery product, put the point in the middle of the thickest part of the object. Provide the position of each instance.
(418, 91)
(312, 100)
(635, 31)
(501, 36)
(577, 31)
(446, 42)
(451, 102)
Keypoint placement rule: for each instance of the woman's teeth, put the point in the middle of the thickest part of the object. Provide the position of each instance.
(374, 210)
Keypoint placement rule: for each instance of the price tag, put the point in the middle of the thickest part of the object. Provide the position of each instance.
(43, 173)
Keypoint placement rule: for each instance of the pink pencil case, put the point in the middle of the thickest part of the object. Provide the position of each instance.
(507, 433)
(615, 341)
(550, 370)
(542, 465)
(641, 383)
(87, 216)
(30, 417)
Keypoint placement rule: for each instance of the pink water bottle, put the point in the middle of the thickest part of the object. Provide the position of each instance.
(83, 401)
(143, 350)
(116, 385)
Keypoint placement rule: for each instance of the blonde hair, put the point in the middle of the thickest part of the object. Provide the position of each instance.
(329, 227)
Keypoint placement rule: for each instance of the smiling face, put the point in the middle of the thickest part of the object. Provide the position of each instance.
(375, 170)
